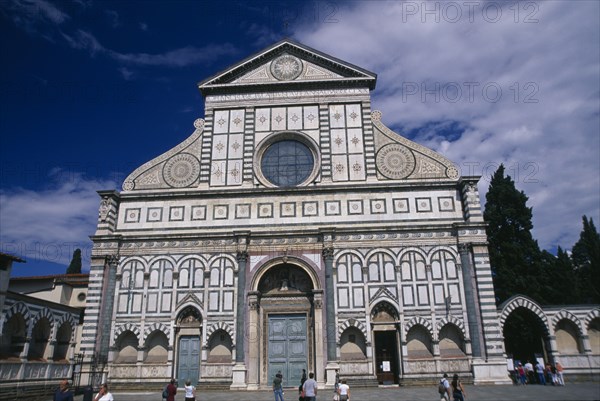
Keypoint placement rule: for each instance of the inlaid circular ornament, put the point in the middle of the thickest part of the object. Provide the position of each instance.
(181, 170)
(286, 68)
(128, 185)
(199, 123)
(452, 172)
(395, 161)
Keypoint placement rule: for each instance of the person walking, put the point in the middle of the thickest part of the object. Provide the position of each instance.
(337, 381)
(444, 388)
(530, 373)
(559, 374)
(103, 394)
(310, 388)
(522, 376)
(63, 393)
(344, 391)
(458, 392)
(539, 369)
(277, 388)
(171, 390)
(190, 391)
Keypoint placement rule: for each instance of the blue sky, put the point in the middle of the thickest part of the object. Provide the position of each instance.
(90, 90)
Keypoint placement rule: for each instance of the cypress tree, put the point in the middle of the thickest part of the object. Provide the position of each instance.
(75, 265)
(515, 256)
(586, 261)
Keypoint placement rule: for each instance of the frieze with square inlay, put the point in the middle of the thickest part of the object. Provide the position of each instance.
(186, 214)
(176, 213)
(154, 214)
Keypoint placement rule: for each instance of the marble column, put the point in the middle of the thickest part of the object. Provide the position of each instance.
(239, 369)
(332, 363)
(471, 300)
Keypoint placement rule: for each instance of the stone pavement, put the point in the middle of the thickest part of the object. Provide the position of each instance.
(571, 392)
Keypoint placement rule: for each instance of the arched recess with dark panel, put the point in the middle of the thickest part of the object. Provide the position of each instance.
(384, 318)
(525, 329)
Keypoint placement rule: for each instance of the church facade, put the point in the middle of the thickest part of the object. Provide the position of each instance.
(293, 230)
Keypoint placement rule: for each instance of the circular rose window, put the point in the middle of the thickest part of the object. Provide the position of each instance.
(286, 159)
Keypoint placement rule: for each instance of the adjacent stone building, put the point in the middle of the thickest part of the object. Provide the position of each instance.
(40, 332)
(293, 230)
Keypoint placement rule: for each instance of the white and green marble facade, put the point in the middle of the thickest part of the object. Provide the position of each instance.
(385, 234)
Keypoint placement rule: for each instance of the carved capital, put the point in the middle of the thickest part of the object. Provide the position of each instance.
(464, 248)
(253, 304)
(328, 252)
(253, 301)
(242, 256)
(112, 261)
(318, 304)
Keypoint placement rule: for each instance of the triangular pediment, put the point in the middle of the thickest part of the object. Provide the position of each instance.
(291, 65)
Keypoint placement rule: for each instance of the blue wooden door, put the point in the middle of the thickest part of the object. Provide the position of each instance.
(287, 348)
(189, 360)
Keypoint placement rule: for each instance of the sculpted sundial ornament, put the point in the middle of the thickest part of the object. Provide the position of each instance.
(286, 67)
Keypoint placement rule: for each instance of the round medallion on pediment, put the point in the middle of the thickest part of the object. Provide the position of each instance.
(395, 161)
(286, 67)
(376, 115)
(452, 172)
(199, 123)
(181, 170)
(128, 185)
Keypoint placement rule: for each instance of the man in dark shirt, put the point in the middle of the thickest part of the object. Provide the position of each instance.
(63, 393)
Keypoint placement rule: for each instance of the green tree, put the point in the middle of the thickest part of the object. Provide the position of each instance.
(586, 261)
(515, 256)
(75, 265)
(558, 281)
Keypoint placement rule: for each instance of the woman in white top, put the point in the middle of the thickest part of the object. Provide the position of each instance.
(103, 394)
(190, 391)
(344, 391)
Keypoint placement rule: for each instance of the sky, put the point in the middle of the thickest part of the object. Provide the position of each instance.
(90, 90)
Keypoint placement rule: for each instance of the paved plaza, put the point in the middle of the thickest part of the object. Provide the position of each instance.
(574, 392)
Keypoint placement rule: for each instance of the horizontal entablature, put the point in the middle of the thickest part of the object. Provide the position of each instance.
(384, 207)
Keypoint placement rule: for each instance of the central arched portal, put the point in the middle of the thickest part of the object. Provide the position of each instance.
(283, 307)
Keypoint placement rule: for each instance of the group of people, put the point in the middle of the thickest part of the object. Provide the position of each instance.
(64, 393)
(307, 390)
(171, 390)
(452, 389)
(540, 374)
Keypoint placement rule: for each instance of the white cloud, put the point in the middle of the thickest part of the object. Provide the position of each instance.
(176, 58)
(34, 15)
(189, 55)
(49, 224)
(126, 73)
(542, 56)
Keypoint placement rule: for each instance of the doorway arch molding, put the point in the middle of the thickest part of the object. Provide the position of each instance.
(306, 265)
(521, 301)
